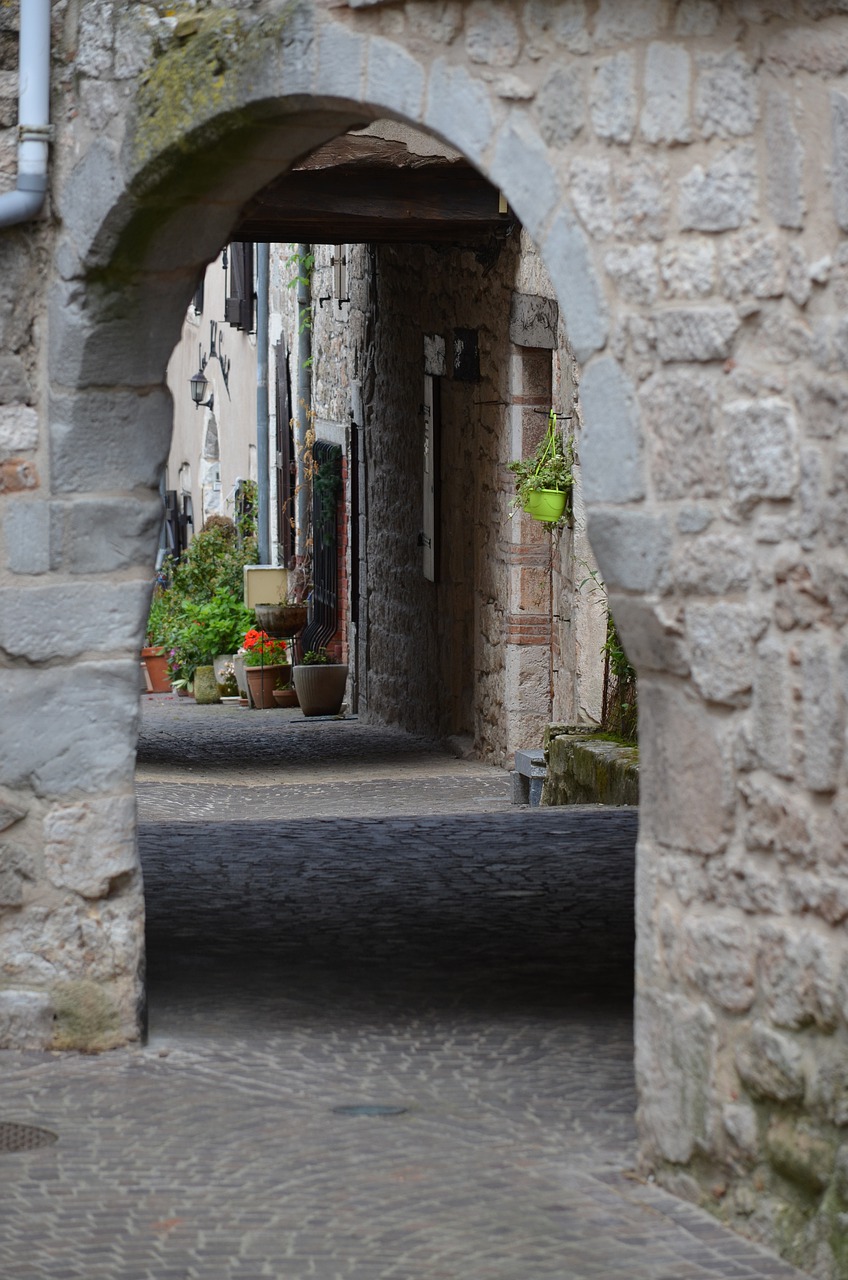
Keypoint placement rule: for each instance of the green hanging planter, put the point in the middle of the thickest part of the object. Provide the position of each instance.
(544, 482)
(546, 504)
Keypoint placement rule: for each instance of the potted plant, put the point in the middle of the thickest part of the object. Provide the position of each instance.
(285, 694)
(197, 611)
(154, 654)
(320, 683)
(265, 663)
(544, 482)
(225, 678)
(286, 619)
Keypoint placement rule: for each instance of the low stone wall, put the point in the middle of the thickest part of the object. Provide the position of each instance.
(582, 769)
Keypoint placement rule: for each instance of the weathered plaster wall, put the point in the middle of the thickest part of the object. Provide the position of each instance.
(684, 171)
(217, 444)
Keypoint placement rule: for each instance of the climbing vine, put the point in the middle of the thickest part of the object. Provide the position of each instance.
(619, 707)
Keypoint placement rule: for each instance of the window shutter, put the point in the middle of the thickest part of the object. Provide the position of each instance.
(238, 309)
(173, 529)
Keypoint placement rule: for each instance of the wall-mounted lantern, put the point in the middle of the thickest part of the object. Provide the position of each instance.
(198, 385)
(200, 382)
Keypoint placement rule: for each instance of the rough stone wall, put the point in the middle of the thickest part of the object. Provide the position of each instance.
(435, 649)
(683, 169)
(477, 661)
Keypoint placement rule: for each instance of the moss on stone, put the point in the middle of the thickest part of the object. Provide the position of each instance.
(590, 769)
(191, 123)
(86, 1017)
(197, 79)
(205, 685)
(801, 1155)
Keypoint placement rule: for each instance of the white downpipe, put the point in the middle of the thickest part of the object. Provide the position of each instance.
(33, 115)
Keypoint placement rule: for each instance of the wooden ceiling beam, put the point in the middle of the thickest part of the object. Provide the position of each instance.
(355, 203)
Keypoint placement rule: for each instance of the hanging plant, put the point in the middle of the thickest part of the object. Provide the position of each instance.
(544, 482)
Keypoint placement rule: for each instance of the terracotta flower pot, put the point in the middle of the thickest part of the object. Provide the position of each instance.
(321, 688)
(262, 682)
(156, 661)
(285, 697)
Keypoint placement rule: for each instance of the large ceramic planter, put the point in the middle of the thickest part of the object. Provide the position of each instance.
(156, 662)
(241, 677)
(281, 621)
(263, 680)
(321, 688)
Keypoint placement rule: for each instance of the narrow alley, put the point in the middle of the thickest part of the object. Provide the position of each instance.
(390, 1034)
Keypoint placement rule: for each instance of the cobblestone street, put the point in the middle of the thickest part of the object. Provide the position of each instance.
(341, 917)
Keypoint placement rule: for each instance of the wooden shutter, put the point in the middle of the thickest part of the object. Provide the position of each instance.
(173, 524)
(238, 309)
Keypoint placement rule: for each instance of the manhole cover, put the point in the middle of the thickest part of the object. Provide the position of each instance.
(24, 1137)
(368, 1109)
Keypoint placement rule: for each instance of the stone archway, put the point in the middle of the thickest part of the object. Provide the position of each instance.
(679, 199)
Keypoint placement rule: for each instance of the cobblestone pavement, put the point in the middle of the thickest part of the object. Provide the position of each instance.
(345, 917)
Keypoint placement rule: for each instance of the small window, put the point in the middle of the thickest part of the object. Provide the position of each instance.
(197, 300)
(239, 305)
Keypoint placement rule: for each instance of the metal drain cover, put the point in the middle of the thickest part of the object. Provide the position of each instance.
(368, 1109)
(24, 1137)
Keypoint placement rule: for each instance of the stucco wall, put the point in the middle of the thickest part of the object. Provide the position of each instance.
(229, 427)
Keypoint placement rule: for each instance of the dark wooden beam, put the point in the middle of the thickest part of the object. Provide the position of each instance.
(352, 203)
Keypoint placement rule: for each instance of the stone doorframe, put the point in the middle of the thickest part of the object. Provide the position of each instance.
(689, 216)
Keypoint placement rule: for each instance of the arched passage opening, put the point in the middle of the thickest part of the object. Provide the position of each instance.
(390, 937)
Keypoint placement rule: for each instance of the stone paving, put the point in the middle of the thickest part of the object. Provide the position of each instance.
(343, 916)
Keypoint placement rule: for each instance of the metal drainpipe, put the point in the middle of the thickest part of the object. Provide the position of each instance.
(263, 472)
(304, 402)
(34, 129)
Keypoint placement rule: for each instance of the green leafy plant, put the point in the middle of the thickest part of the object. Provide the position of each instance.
(223, 621)
(301, 264)
(247, 506)
(619, 706)
(214, 561)
(620, 713)
(197, 610)
(315, 658)
(161, 615)
(549, 467)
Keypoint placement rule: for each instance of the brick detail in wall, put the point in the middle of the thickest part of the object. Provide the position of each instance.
(528, 628)
(528, 555)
